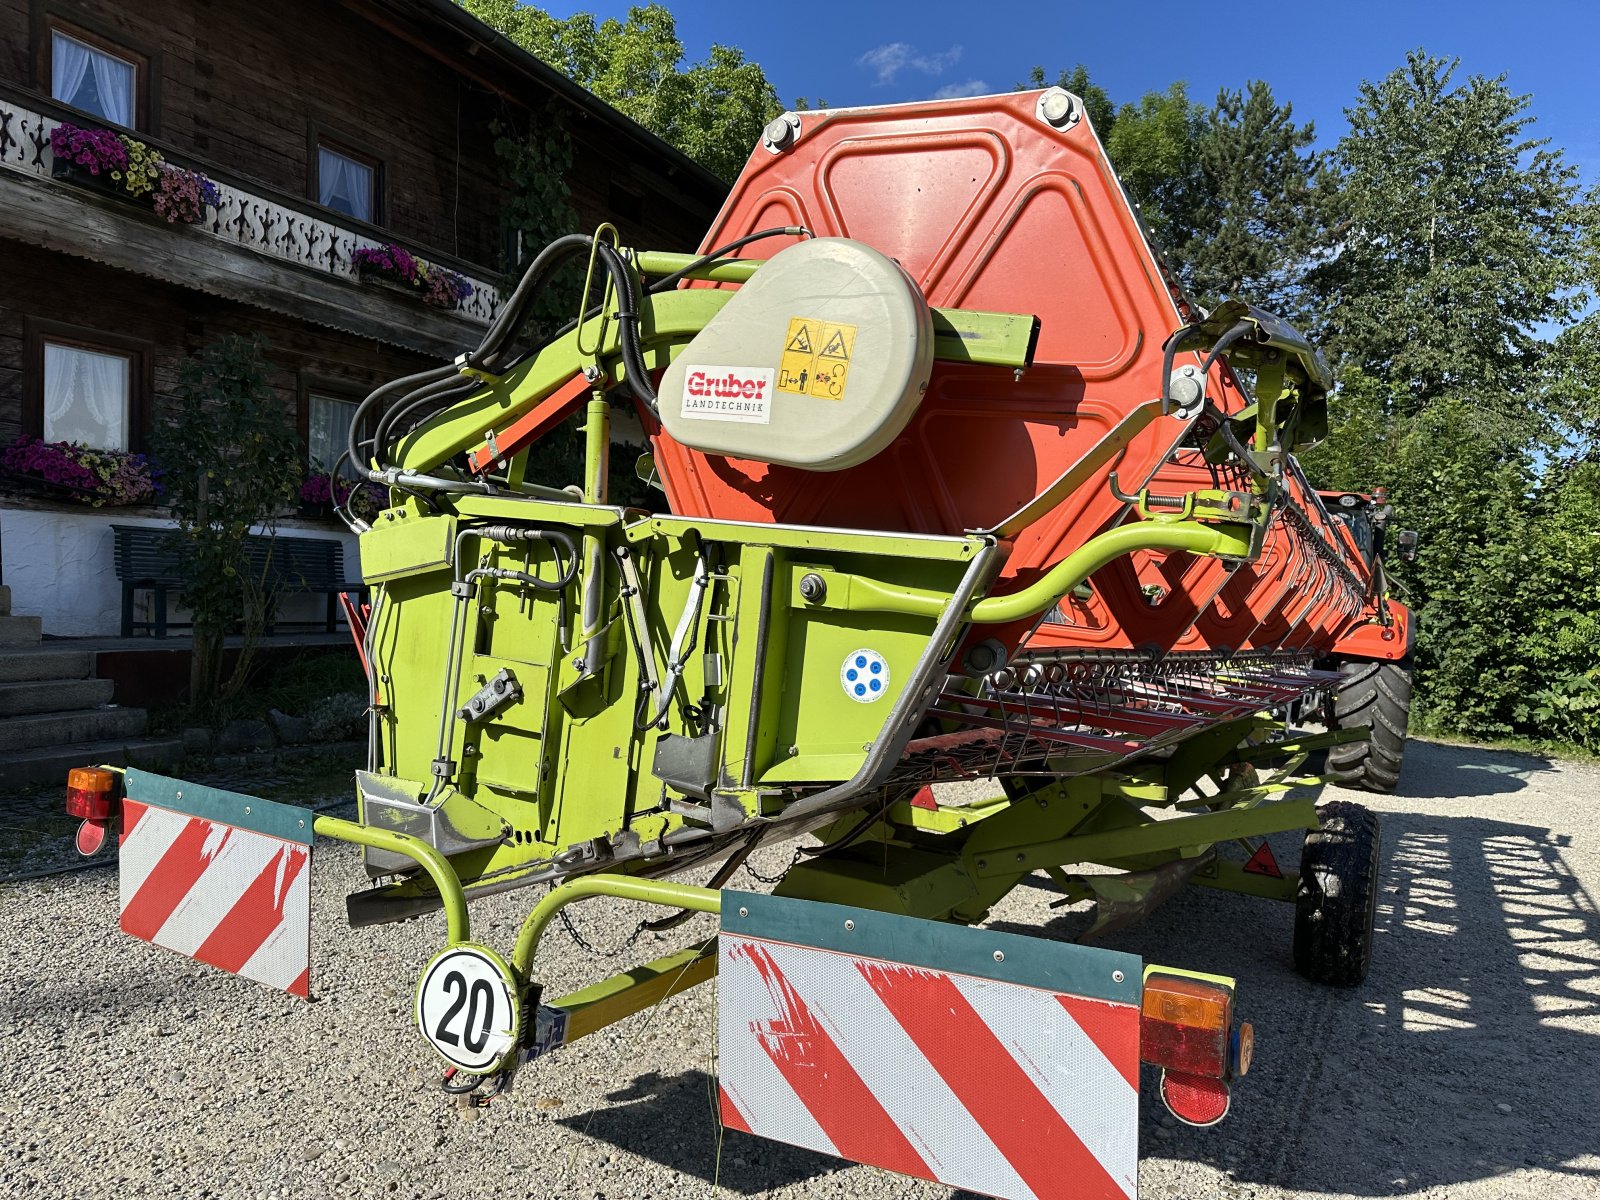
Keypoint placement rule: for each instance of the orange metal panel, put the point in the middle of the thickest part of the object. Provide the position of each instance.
(988, 208)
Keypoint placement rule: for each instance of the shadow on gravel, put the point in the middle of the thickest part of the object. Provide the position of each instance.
(1472, 1050)
(669, 1120)
(1463, 772)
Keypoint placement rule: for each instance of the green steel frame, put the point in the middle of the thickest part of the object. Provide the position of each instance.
(673, 703)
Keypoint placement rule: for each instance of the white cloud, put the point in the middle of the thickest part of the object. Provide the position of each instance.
(972, 87)
(889, 59)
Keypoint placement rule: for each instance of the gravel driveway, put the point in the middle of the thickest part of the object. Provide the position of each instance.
(1467, 1066)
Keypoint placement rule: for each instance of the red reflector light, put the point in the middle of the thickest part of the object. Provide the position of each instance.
(91, 793)
(93, 837)
(1186, 1026)
(1194, 1099)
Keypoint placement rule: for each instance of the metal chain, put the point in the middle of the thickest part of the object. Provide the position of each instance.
(774, 879)
(588, 947)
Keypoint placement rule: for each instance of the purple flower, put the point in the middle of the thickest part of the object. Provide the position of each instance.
(95, 477)
(389, 261)
(94, 149)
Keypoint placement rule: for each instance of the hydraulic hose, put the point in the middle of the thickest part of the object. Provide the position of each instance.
(513, 314)
(445, 384)
(378, 394)
(667, 282)
(627, 285)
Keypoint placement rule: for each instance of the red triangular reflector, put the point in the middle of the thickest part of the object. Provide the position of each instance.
(1263, 863)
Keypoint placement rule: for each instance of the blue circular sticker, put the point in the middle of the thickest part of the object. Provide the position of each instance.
(864, 676)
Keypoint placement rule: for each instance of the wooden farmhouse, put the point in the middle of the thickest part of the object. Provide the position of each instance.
(325, 127)
(312, 129)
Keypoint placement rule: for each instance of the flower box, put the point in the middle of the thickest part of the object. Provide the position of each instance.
(394, 267)
(375, 278)
(95, 181)
(130, 170)
(70, 473)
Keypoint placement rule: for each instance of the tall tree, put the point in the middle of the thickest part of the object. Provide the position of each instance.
(712, 110)
(1457, 238)
(1155, 147)
(1259, 208)
(1232, 196)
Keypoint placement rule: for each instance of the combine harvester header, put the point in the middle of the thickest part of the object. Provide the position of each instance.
(955, 487)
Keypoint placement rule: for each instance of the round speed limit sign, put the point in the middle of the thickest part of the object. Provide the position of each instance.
(466, 1006)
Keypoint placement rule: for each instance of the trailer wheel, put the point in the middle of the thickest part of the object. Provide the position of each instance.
(1375, 696)
(1338, 896)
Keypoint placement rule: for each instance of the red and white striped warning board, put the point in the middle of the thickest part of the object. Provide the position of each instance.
(992, 1085)
(225, 895)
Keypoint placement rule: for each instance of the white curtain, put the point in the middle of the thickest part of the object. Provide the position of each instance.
(344, 184)
(69, 63)
(85, 397)
(72, 63)
(328, 433)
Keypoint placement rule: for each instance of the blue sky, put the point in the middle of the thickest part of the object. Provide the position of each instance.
(1313, 55)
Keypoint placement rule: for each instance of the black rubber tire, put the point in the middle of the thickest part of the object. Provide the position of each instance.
(1375, 696)
(1337, 899)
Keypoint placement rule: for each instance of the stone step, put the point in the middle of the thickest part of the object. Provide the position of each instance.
(72, 728)
(50, 764)
(21, 631)
(54, 696)
(28, 664)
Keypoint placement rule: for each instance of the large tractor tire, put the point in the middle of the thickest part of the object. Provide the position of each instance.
(1337, 898)
(1375, 696)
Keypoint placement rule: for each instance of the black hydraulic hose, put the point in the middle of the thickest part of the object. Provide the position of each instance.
(513, 314)
(444, 390)
(378, 394)
(558, 540)
(1169, 353)
(444, 383)
(1231, 439)
(705, 260)
(628, 299)
(1223, 342)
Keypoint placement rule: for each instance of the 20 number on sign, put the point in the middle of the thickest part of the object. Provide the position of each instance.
(466, 1007)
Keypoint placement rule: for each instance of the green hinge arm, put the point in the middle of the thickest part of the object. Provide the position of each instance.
(1196, 537)
(618, 887)
(458, 925)
(859, 594)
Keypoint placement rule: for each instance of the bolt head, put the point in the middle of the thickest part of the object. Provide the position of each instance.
(999, 956)
(743, 911)
(1117, 977)
(1057, 109)
(849, 925)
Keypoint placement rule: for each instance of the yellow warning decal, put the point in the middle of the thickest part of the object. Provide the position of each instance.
(816, 358)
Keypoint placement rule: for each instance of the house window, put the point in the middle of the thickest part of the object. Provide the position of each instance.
(328, 432)
(87, 396)
(347, 184)
(93, 79)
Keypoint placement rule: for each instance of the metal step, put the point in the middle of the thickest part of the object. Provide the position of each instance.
(71, 728)
(54, 696)
(50, 764)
